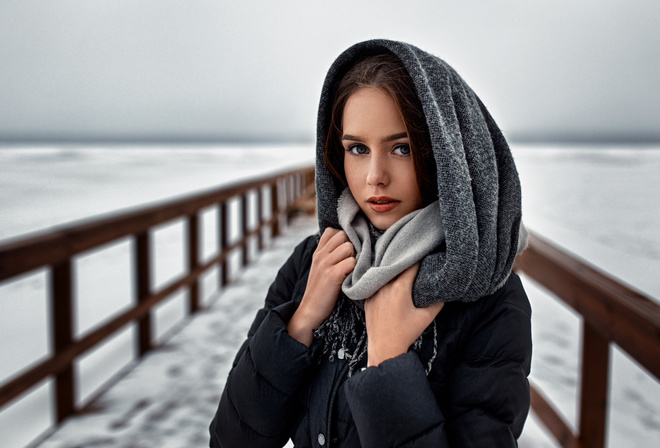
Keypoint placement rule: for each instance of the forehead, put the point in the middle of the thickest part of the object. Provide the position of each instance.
(373, 110)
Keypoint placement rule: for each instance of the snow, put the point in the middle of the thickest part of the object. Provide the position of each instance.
(601, 203)
(169, 399)
(43, 187)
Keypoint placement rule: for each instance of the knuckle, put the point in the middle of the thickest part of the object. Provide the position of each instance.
(327, 235)
(347, 266)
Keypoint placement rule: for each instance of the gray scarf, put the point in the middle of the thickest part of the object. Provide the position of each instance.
(478, 187)
(478, 210)
(402, 245)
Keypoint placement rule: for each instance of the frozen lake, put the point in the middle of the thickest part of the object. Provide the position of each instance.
(602, 203)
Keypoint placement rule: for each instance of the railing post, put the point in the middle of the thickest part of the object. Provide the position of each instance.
(244, 231)
(594, 387)
(275, 209)
(193, 261)
(62, 336)
(305, 184)
(259, 219)
(311, 181)
(223, 219)
(54, 251)
(299, 185)
(143, 289)
(287, 198)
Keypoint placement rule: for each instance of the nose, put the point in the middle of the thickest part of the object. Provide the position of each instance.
(378, 172)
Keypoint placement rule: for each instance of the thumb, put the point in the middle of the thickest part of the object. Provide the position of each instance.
(410, 274)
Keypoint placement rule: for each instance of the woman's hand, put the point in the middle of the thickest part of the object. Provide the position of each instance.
(393, 321)
(332, 261)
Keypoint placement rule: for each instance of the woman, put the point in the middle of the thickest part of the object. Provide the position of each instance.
(401, 324)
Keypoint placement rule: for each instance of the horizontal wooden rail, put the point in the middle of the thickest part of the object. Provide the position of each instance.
(621, 314)
(30, 253)
(612, 313)
(555, 423)
(55, 251)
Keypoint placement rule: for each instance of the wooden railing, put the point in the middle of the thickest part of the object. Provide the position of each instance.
(56, 250)
(612, 313)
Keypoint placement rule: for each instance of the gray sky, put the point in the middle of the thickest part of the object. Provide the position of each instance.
(192, 69)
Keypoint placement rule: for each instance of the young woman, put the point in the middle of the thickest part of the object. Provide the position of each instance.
(400, 323)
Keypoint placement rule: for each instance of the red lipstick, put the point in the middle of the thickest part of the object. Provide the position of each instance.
(382, 204)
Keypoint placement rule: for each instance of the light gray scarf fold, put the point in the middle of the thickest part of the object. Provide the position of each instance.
(402, 245)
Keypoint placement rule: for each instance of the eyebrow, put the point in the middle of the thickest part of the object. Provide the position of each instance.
(388, 138)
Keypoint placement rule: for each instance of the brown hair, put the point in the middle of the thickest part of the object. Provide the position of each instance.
(385, 72)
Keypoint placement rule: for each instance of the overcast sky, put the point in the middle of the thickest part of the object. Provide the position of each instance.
(192, 69)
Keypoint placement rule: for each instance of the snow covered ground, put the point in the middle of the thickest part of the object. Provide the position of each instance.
(43, 187)
(169, 399)
(601, 203)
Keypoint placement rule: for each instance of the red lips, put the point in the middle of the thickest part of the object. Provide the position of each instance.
(382, 204)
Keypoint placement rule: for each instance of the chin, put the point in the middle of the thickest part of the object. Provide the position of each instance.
(382, 223)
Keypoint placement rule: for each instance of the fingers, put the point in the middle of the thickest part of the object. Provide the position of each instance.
(335, 245)
(334, 258)
(347, 265)
(401, 289)
(327, 234)
(410, 274)
(393, 321)
(342, 250)
(406, 279)
(332, 238)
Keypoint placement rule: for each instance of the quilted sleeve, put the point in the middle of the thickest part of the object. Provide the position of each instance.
(256, 407)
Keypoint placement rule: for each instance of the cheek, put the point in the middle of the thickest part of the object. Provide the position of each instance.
(412, 188)
(407, 177)
(352, 172)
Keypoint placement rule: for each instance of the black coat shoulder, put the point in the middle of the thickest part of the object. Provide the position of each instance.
(486, 391)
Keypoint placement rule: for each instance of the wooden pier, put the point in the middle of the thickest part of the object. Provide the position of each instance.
(612, 313)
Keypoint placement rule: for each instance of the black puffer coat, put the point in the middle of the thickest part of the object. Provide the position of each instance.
(476, 394)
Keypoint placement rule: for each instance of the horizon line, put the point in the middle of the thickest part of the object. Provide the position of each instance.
(516, 138)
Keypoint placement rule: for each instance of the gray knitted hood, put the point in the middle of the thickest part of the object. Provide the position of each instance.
(478, 186)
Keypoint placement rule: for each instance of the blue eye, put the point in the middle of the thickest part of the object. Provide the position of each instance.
(357, 149)
(402, 150)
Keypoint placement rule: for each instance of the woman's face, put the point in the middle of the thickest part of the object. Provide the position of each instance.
(378, 165)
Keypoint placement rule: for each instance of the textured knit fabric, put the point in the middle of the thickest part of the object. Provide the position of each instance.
(478, 186)
(403, 244)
